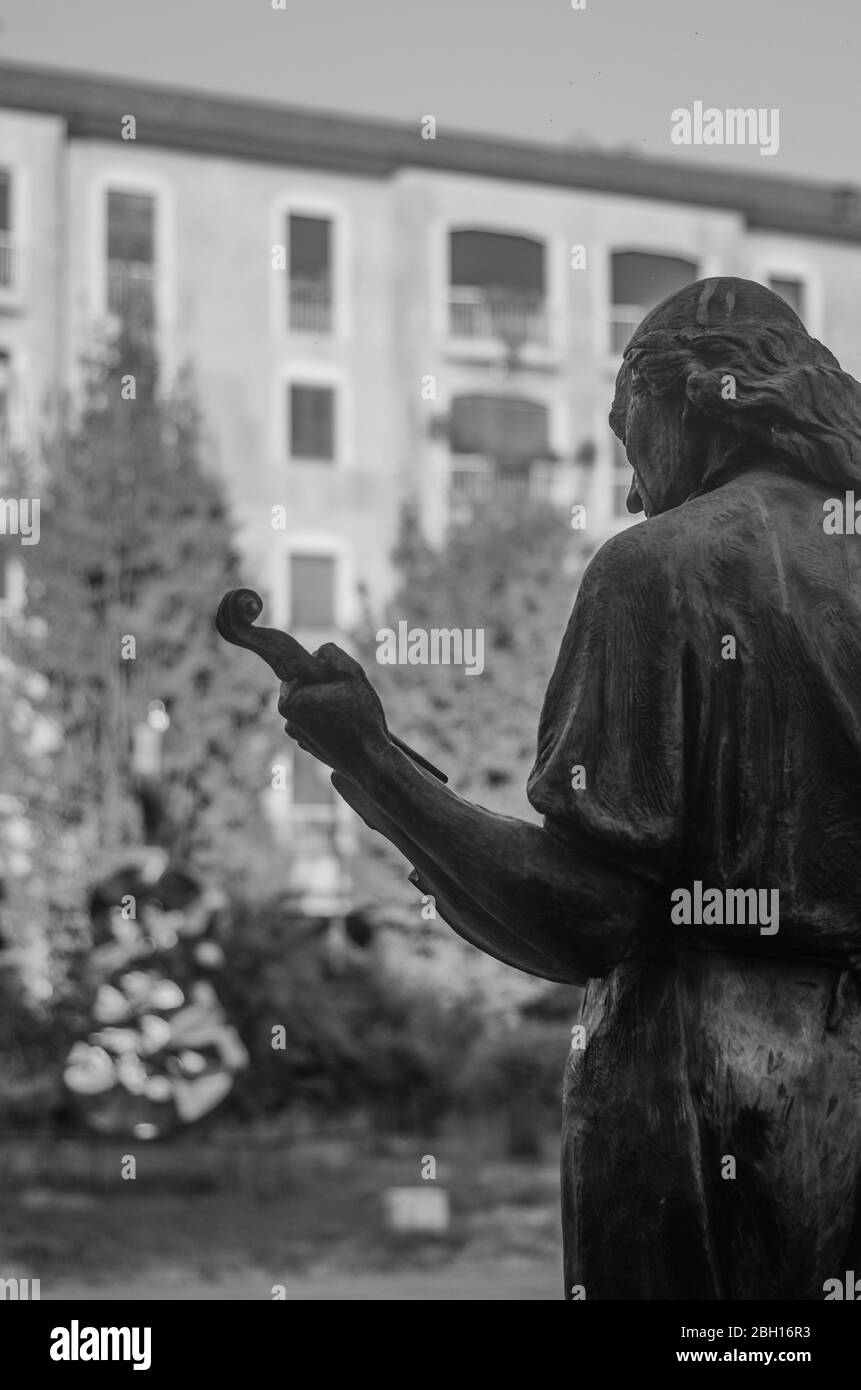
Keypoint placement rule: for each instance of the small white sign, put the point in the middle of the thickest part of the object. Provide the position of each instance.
(417, 1209)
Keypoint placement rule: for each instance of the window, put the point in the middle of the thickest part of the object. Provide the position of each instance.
(131, 257)
(7, 244)
(621, 481)
(507, 428)
(312, 591)
(5, 587)
(790, 290)
(497, 287)
(312, 422)
(500, 450)
(313, 819)
(311, 784)
(5, 393)
(640, 280)
(310, 282)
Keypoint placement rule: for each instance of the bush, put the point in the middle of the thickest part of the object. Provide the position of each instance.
(353, 1037)
(518, 1072)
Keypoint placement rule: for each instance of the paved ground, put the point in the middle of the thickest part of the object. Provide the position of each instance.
(324, 1234)
(458, 1282)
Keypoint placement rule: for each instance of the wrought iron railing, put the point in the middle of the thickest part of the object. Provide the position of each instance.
(132, 291)
(11, 262)
(310, 306)
(476, 312)
(476, 481)
(624, 318)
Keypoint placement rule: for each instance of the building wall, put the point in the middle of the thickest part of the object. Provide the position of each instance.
(31, 316)
(392, 357)
(221, 309)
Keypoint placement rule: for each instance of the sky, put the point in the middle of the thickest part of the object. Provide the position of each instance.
(608, 76)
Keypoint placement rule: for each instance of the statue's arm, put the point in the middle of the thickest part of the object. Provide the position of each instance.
(566, 899)
(510, 887)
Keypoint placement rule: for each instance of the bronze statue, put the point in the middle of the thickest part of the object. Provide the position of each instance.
(700, 743)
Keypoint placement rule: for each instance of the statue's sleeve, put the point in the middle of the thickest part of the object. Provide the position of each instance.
(619, 715)
(566, 902)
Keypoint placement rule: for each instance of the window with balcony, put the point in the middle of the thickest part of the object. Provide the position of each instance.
(5, 590)
(311, 422)
(310, 284)
(131, 256)
(313, 812)
(5, 396)
(8, 247)
(500, 450)
(497, 288)
(640, 280)
(790, 290)
(312, 592)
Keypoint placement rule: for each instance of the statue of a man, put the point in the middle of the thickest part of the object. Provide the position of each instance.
(702, 869)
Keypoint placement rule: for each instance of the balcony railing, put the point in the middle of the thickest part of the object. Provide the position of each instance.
(485, 313)
(132, 291)
(310, 306)
(313, 831)
(624, 318)
(476, 481)
(11, 262)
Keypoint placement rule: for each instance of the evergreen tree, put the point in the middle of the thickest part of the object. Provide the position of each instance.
(134, 555)
(514, 573)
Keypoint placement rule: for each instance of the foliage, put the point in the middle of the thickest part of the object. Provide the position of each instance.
(354, 1036)
(136, 545)
(513, 573)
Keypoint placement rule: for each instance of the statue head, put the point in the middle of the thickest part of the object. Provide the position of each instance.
(723, 376)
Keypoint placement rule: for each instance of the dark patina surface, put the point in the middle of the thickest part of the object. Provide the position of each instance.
(702, 1042)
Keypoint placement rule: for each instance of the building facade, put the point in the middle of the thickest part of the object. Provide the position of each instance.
(375, 314)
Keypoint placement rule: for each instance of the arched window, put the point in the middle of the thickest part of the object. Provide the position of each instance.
(7, 243)
(497, 287)
(792, 290)
(500, 447)
(640, 280)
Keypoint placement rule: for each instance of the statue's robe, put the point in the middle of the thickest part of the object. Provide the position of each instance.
(713, 1043)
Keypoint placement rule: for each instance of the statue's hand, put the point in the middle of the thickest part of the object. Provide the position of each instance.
(340, 721)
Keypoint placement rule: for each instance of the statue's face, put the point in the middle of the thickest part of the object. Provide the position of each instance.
(661, 442)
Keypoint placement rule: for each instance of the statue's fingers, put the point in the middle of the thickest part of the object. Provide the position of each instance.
(339, 660)
(308, 700)
(287, 689)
